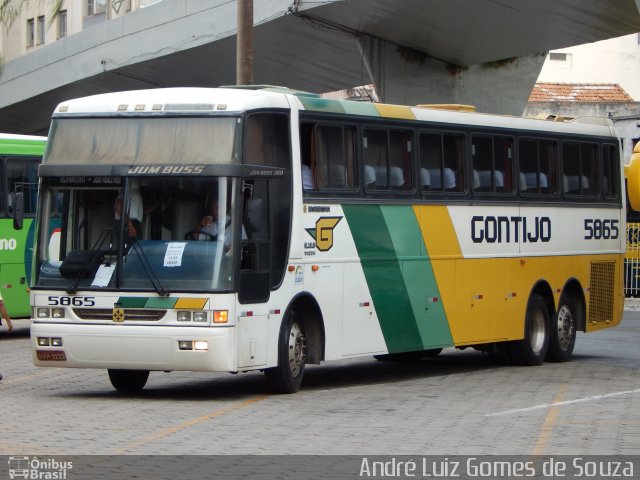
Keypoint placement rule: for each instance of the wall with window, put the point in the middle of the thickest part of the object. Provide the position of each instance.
(33, 27)
(616, 60)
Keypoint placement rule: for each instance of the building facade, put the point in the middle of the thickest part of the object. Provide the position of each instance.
(616, 60)
(570, 100)
(37, 22)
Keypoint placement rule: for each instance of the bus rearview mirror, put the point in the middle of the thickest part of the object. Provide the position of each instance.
(18, 210)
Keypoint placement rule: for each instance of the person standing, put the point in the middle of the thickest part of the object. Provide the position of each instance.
(5, 315)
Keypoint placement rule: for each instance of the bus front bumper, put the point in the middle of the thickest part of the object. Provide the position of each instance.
(131, 347)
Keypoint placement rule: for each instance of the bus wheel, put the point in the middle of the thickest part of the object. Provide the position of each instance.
(128, 381)
(563, 332)
(532, 349)
(292, 351)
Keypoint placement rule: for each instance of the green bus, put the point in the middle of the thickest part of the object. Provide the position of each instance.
(20, 156)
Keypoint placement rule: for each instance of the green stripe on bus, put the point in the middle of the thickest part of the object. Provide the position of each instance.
(161, 302)
(384, 277)
(400, 277)
(132, 302)
(419, 278)
(360, 108)
(321, 105)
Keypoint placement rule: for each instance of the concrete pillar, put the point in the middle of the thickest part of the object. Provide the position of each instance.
(407, 77)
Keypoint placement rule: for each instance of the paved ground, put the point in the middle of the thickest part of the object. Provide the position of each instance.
(458, 403)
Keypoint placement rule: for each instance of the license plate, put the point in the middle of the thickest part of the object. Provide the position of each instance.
(50, 356)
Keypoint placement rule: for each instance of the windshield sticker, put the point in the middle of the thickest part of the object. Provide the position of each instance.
(173, 255)
(103, 275)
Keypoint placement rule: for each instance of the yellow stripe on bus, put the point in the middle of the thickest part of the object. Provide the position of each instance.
(395, 111)
(191, 303)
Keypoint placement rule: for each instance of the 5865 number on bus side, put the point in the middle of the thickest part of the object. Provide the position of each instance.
(601, 229)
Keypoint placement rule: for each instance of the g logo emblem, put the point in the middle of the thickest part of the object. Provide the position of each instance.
(323, 233)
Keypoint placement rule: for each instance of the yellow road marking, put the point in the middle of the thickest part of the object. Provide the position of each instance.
(24, 378)
(190, 423)
(549, 422)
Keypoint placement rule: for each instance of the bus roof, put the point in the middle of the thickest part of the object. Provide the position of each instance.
(12, 144)
(243, 98)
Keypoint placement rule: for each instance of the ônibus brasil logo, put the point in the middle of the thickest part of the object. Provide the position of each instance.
(38, 469)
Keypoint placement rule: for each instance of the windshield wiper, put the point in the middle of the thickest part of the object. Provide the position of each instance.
(159, 287)
(84, 260)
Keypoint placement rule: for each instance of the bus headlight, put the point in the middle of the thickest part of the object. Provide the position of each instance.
(184, 316)
(200, 316)
(201, 345)
(44, 341)
(42, 312)
(57, 313)
(56, 342)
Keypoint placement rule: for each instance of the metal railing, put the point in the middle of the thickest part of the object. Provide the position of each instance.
(632, 261)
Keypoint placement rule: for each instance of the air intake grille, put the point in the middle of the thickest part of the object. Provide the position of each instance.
(130, 314)
(601, 288)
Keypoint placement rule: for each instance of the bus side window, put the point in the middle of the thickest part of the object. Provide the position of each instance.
(374, 147)
(579, 166)
(328, 158)
(537, 163)
(267, 140)
(441, 162)
(492, 164)
(400, 149)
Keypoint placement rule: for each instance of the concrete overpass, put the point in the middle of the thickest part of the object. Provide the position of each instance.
(483, 52)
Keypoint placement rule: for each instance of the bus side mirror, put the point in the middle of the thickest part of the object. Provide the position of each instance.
(633, 178)
(18, 210)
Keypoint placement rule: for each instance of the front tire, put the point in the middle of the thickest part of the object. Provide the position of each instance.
(292, 352)
(532, 349)
(128, 381)
(562, 337)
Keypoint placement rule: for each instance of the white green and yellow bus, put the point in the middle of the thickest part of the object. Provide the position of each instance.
(20, 156)
(261, 228)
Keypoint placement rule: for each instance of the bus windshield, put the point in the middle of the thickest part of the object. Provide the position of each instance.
(152, 233)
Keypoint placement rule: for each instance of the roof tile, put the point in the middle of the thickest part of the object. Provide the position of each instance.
(579, 92)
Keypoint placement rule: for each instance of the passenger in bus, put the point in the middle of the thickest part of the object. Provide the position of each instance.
(133, 224)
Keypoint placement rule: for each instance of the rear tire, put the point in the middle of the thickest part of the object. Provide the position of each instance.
(532, 349)
(562, 335)
(128, 381)
(292, 353)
